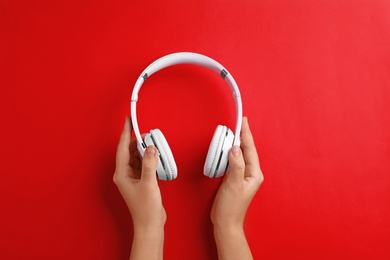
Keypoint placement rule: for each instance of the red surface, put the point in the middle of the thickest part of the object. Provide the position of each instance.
(315, 83)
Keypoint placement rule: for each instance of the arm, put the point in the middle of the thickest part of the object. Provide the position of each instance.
(242, 180)
(137, 183)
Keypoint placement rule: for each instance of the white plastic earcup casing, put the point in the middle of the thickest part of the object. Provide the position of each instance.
(166, 167)
(217, 156)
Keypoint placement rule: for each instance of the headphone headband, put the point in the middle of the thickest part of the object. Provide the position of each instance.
(185, 58)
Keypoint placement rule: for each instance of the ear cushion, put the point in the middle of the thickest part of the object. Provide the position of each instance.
(166, 168)
(217, 155)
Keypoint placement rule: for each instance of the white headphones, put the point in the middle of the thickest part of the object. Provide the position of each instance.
(223, 138)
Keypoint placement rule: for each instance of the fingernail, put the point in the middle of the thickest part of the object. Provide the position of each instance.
(151, 151)
(236, 150)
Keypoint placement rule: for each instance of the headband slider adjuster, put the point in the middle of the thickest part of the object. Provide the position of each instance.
(223, 73)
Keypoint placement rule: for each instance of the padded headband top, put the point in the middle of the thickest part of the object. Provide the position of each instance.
(185, 58)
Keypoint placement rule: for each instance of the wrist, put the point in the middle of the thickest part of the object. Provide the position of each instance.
(228, 228)
(145, 230)
(228, 224)
(231, 242)
(149, 224)
(226, 231)
(151, 235)
(148, 242)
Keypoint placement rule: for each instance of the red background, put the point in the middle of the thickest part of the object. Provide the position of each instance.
(315, 83)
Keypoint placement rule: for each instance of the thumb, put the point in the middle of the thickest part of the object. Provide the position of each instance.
(149, 164)
(236, 168)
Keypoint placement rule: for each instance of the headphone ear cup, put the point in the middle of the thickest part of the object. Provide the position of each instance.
(166, 168)
(217, 155)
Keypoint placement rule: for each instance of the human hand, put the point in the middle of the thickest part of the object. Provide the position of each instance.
(240, 184)
(137, 182)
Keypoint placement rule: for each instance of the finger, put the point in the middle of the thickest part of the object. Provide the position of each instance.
(236, 169)
(249, 149)
(134, 156)
(149, 164)
(123, 152)
(133, 144)
(135, 161)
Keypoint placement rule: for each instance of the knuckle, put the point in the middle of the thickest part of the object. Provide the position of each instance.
(260, 179)
(148, 167)
(149, 163)
(239, 166)
(115, 178)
